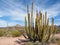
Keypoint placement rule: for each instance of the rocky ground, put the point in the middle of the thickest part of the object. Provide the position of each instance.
(12, 40)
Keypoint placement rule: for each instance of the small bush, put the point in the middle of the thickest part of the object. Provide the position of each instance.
(58, 42)
(1, 32)
(15, 33)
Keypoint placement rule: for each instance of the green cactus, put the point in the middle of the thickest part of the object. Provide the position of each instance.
(41, 32)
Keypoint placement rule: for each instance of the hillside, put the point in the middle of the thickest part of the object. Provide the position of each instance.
(16, 27)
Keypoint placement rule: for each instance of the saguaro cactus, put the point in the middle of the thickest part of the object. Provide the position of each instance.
(42, 31)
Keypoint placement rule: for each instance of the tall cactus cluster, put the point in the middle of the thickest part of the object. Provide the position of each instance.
(40, 30)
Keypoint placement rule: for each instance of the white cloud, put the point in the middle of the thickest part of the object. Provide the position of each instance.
(3, 23)
(17, 15)
(12, 23)
(17, 11)
(52, 11)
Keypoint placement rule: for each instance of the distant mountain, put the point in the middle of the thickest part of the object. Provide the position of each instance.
(16, 27)
(19, 27)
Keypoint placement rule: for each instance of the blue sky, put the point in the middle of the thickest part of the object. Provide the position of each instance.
(14, 11)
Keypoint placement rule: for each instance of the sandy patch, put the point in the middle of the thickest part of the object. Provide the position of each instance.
(11, 40)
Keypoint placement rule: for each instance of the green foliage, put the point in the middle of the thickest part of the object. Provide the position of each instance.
(15, 33)
(41, 32)
(57, 29)
(1, 33)
(58, 42)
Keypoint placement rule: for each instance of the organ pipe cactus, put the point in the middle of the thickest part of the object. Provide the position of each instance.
(40, 30)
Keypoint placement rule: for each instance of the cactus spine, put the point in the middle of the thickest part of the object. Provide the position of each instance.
(41, 31)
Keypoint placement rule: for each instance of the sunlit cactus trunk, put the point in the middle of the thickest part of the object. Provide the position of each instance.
(52, 29)
(42, 31)
(32, 21)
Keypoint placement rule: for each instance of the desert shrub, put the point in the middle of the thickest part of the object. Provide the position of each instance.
(58, 42)
(15, 33)
(21, 31)
(57, 31)
(1, 32)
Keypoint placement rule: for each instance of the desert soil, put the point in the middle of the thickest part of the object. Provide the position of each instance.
(11, 40)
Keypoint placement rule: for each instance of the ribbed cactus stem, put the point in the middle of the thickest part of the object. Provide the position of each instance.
(36, 25)
(52, 23)
(36, 13)
(41, 31)
(45, 18)
(28, 18)
(26, 28)
(48, 25)
(37, 19)
(48, 36)
(40, 15)
(40, 24)
(25, 24)
(52, 26)
(32, 16)
(32, 21)
(29, 27)
(52, 29)
(40, 20)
